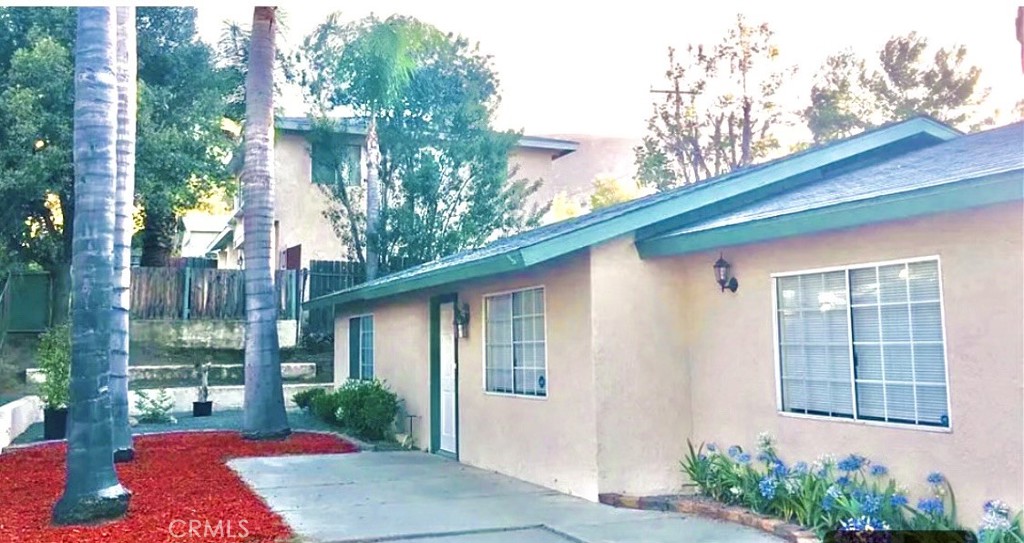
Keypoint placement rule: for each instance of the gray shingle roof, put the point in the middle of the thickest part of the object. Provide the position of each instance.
(967, 157)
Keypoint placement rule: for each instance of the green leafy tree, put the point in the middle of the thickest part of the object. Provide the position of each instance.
(92, 491)
(264, 416)
(437, 173)
(719, 111)
(850, 94)
(182, 99)
(184, 95)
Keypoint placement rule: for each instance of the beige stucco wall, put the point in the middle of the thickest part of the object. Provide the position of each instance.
(534, 164)
(549, 441)
(401, 354)
(640, 372)
(301, 204)
(730, 350)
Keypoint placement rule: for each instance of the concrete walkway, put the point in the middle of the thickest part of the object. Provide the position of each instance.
(417, 497)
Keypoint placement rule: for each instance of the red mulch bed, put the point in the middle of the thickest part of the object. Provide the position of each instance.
(177, 481)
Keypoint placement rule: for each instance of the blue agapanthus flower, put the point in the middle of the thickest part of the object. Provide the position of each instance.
(843, 481)
(767, 487)
(712, 447)
(828, 502)
(936, 478)
(870, 504)
(931, 506)
(997, 507)
(879, 470)
(898, 500)
(780, 470)
(801, 468)
(851, 463)
(734, 451)
(764, 457)
(863, 523)
(743, 458)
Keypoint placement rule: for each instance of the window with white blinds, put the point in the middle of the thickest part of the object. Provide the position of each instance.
(515, 357)
(864, 343)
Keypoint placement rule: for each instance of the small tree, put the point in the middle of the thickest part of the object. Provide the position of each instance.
(54, 357)
(719, 112)
(850, 94)
(437, 173)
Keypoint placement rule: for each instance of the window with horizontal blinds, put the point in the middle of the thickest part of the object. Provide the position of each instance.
(515, 357)
(814, 343)
(865, 342)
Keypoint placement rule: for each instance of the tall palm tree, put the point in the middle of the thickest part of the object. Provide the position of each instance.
(380, 64)
(264, 416)
(92, 491)
(127, 68)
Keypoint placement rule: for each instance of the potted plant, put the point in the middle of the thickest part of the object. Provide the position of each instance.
(203, 407)
(54, 357)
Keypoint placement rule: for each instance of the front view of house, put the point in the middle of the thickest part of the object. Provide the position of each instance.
(867, 299)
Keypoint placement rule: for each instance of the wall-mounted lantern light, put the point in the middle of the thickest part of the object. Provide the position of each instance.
(722, 275)
(462, 321)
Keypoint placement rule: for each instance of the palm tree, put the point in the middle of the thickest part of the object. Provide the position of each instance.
(367, 66)
(92, 491)
(381, 62)
(127, 68)
(264, 416)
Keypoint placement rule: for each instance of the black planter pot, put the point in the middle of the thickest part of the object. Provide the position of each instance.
(55, 423)
(202, 409)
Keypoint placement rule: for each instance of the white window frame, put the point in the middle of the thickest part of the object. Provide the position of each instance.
(780, 410)
(373, 346)
(483, 344)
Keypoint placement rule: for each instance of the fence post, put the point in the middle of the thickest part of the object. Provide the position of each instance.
(293, 279)
(187, 294)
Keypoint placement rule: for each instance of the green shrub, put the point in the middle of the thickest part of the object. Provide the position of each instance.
(304, 398)
(54, 357)
(367, 408)
(325, 406)
(155, 410)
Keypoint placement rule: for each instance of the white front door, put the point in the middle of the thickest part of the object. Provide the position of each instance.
(449, 436)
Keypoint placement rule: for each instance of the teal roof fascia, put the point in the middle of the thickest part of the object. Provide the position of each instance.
(740, 188)
(981, 191)
(500, 263)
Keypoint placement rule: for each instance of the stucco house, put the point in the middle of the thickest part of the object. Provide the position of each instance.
(301, 230)
(877, 309)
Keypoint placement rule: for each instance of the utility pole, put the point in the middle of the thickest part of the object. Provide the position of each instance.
(677, 92)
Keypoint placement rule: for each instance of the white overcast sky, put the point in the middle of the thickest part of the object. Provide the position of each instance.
(587, 67)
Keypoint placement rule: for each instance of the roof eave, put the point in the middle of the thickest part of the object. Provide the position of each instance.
(500, 263)
(964, 194)
(797, 166)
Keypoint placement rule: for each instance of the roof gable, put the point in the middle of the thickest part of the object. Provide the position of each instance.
(655, 213)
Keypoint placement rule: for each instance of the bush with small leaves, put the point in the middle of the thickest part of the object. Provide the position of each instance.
(155, 409)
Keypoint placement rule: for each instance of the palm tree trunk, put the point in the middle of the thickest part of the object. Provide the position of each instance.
(264, 416)
(92, 491)
(127, 104)
(372, 200)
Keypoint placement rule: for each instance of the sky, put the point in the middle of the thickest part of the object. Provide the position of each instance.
(588, 67)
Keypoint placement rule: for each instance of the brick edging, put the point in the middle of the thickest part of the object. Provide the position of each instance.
(694, 505)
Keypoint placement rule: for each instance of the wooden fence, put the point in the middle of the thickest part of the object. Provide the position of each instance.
(205, 293)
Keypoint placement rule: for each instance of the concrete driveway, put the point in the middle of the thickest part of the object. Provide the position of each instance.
(413, 496)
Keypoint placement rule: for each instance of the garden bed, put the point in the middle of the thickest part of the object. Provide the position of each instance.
(707, 508)
(179, 481)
